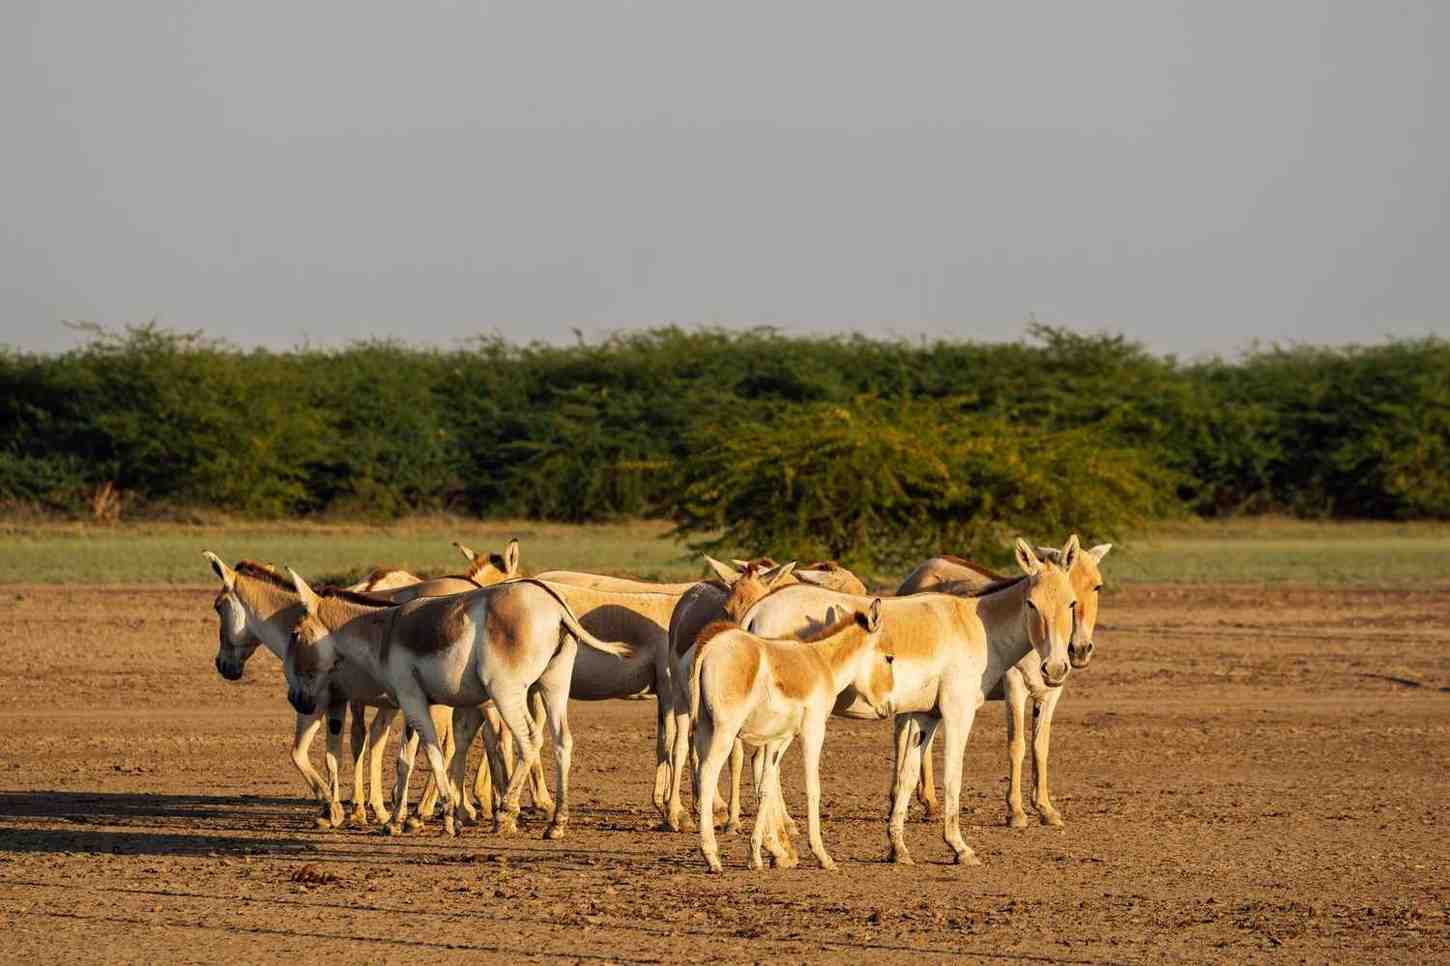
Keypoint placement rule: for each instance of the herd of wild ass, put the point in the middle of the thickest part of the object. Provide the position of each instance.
(753, 657)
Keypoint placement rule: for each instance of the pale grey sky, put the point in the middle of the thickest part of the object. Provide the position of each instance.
(1192, 174)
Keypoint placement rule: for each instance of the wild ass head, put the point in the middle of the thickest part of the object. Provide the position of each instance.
(312, 651)
(747, 584)
(870, 670)
(1050, 610)
(236, 643)
(1087, 582)
(491, 568)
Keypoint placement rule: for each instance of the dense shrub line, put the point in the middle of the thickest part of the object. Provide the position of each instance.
(842, 435)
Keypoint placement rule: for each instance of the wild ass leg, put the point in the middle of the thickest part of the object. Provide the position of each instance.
(443, 724)
(498, 748)
(466, 722)
(441, 715)
(513, 706)
(778, 825)
(554, 692)
(378, 740)
(664, 744)
(813, 735)
(538, 787)
(712, 748)
(421, 718)
(913, 732)
(333, 815)
(407, 753)
(307, 726)
(926, 788)
(737, 765)
(676, 819)
(1041, 741)
(1015, 701)
(359, 735)
(955, 729)
(767, 809)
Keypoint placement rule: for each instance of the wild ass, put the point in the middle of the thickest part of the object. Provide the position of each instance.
(727, 598)
(766, 692)
(496, 642)
(951, 575)
(257, 607)
(951, 653)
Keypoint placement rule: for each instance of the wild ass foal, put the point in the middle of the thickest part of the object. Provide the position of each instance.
(496, 642)
(953, 575)
(951, 652)
(764, 693)
(727, 598)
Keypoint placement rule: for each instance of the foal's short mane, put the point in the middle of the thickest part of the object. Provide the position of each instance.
(711, 631)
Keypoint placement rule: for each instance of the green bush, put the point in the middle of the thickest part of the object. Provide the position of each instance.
(883, 484)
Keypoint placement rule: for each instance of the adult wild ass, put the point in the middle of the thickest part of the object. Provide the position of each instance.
(951, 653)
(496, 642)
(726, 598)
(950, 575)
(766, 692)
(257, 607)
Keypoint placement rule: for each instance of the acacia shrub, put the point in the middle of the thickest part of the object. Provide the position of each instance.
(879, 484)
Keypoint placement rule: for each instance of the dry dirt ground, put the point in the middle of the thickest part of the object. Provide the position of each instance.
(1247, 773)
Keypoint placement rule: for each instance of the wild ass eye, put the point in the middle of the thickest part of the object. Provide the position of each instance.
(890, 659)
(1097, 588)
(1032, 605)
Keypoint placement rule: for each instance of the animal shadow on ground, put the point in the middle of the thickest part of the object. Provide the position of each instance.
(22, 815)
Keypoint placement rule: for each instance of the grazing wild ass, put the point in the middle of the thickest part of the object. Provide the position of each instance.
(726, 598)
(951, 652)
(951, 575)
(496, 642)
(766, 692)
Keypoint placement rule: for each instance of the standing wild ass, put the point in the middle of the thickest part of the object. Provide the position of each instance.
(953, 575)
(951, 652)
(726, 598)
(764, 692)
(496, 642)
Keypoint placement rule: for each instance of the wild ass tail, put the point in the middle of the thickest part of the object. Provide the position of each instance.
(695, 666)
(572, 625)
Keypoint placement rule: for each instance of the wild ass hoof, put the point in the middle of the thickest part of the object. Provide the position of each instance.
(930, 813)
(679, 822)
(382, 815)
(413, 824)
(899, 856)
(732, 827)
(393, 828)
(1050, 817)
(789, 860)
(322, 822)
(450, 826)
(828, 864)
(555, 829)
(713, 861)
(968, 858)
(1017, 820)
(506, 824)
(359, 816)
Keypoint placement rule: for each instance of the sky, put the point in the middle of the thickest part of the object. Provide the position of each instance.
(1198, 176)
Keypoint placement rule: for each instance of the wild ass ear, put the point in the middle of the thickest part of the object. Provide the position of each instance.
(740, 565)
(776, 574)
(1070, 551)
(227, 575)
(725, 572)
(1099, 552)
(511, 557)
(468, 552)
(1026, 558)
(873, 616)
(309, 597)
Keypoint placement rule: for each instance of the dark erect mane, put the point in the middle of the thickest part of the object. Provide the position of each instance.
(811, 637)
(264, 572)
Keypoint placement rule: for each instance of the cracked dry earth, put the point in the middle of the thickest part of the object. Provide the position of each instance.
(1247, 773)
